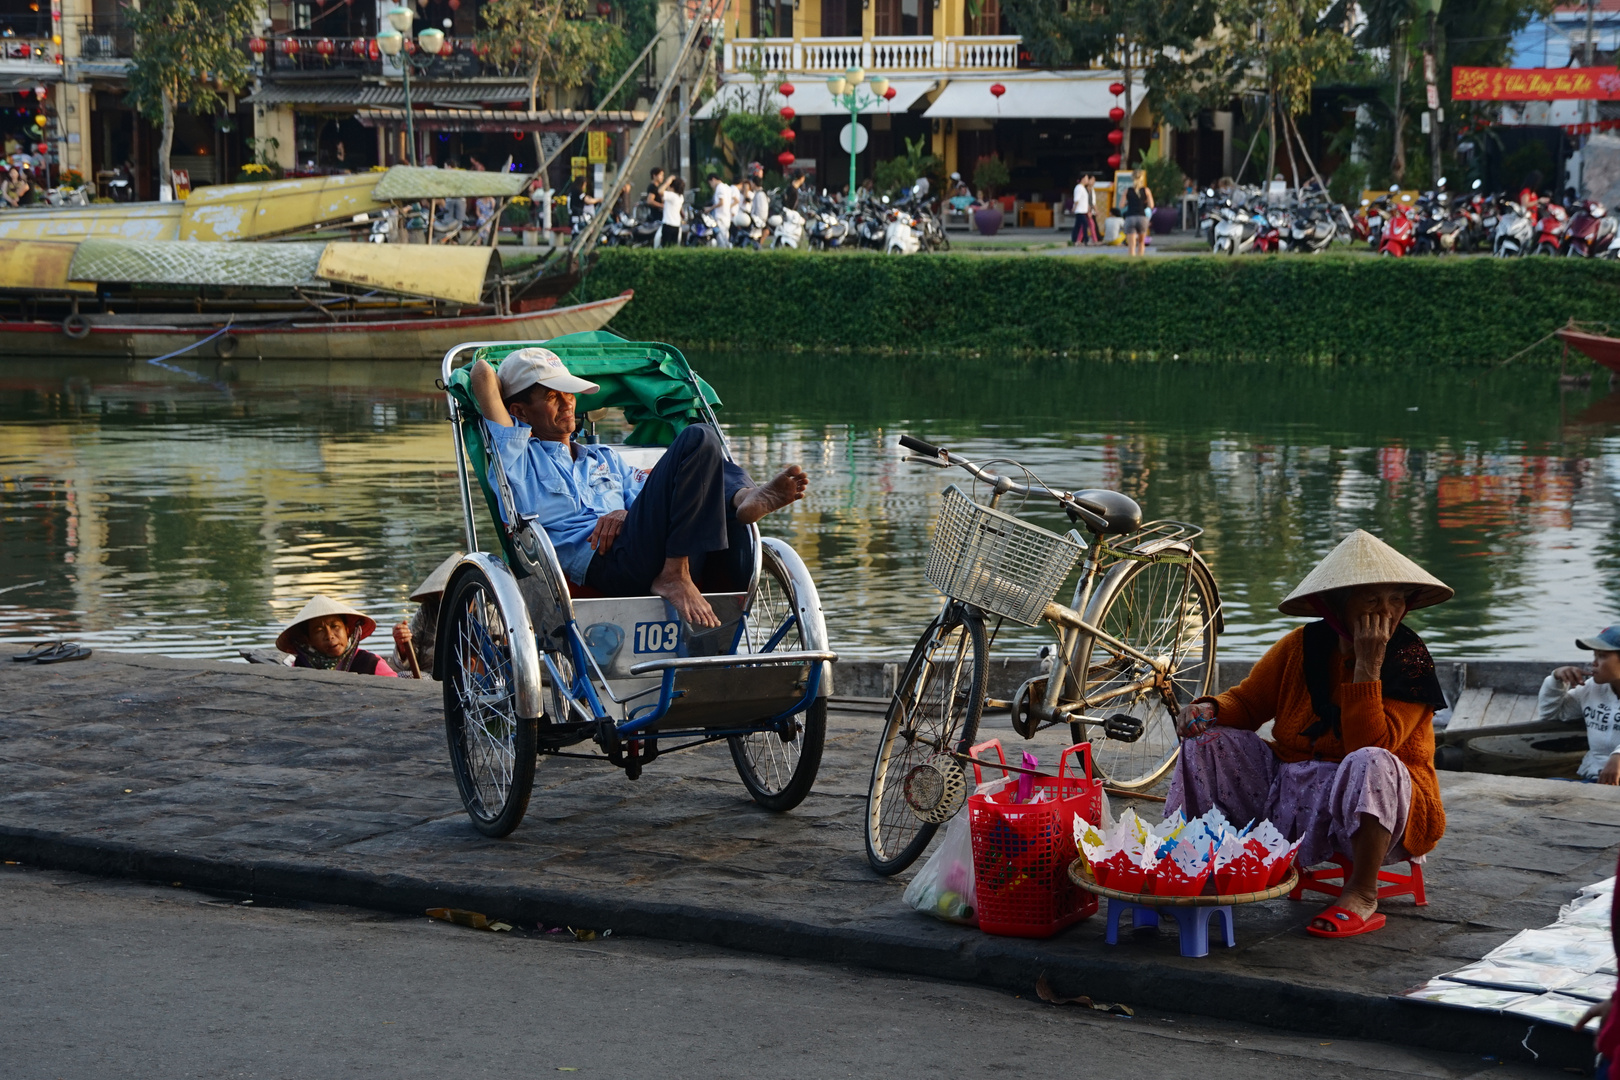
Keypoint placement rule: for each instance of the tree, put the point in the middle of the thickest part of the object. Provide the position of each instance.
(750, 119)
(188, 54)
(902, 172)
(553, 41)
(1155, 41)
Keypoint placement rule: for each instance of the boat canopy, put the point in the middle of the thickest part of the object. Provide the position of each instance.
(37, 266)
(276, 207)
(130, 221)
(407, 183)
(180, 262)
(441, 272)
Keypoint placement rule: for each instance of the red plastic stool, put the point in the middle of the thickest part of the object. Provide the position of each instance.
(1330, 880)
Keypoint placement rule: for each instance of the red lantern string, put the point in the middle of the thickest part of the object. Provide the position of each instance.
(788, 114)
(786, 89)
(785, 158)
(789, 134)
(1113, 161)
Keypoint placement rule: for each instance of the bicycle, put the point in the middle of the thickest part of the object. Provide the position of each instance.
(1136, 640)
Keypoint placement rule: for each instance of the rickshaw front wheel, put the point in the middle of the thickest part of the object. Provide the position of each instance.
(778, 769)
(492, 747)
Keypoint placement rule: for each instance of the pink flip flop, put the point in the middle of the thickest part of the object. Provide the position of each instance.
(1346, 923)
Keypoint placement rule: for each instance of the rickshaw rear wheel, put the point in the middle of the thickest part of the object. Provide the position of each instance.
(492, 747)
(779, 768)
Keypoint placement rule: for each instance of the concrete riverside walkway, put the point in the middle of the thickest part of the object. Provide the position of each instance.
(314, 786)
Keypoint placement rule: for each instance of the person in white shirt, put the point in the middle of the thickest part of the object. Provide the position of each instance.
(1085, 225)
(725, 205)
(1569, 694)
(674, 199)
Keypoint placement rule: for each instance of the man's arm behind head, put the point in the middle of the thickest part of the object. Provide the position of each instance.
(486, 388)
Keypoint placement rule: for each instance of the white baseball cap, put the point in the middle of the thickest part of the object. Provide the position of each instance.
(525, 367)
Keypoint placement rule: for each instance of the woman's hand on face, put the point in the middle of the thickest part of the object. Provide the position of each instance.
(1371, 632)
(1195, 719)
(1571, 676)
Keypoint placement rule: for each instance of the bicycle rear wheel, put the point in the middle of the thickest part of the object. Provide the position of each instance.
(936, 708)
(1165, 609)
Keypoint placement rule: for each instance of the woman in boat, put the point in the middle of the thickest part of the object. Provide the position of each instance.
(417, 635)
(1349, 768)
(326, 635)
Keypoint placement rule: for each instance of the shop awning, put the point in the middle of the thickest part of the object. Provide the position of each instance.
(1037, 95)
(422, 94)
(410, 182)
(502, 119)
(812, 98)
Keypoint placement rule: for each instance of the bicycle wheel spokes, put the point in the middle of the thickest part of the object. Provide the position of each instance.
(935, 708)
(1166, 611)
(488, 704)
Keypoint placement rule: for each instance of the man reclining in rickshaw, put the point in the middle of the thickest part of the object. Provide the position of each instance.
(618, 530)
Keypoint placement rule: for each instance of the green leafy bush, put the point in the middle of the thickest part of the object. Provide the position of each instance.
(1164, 177)
(1347, 183)
(1409, 313)
(990, 175)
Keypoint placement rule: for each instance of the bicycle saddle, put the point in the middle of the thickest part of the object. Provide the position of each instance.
(1120, 511)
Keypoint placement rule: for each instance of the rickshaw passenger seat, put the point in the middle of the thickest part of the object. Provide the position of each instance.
(583, 592)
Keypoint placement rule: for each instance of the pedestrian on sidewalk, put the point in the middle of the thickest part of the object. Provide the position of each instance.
(1138, 205)
(1607, 1039)
(1085, 206)
(674, 198)
(724, 206)
(326, 636)
(1574, 693)
(1349, 768)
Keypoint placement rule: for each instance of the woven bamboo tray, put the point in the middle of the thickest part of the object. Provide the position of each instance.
(1080, 874)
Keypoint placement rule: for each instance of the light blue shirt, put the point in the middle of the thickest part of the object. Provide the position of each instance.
(565, 493)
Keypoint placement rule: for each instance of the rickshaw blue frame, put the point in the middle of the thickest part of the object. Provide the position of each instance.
(738, 685)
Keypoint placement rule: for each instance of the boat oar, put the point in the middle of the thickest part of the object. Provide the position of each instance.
(410, 652)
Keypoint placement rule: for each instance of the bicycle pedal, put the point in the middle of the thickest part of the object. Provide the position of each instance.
(1123, 727)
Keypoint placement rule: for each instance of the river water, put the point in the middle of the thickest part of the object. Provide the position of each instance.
(191, 510)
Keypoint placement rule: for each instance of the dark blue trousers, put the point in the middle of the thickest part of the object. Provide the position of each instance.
(685, 508)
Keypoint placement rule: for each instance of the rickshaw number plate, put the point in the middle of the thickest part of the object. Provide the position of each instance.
(657, 637)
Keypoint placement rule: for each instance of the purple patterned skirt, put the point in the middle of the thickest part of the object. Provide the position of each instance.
(1318, 802)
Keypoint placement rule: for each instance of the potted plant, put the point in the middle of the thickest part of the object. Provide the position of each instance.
(989, 176)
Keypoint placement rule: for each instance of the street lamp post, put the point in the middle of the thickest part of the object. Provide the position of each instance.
(846, 92)
(391, 42)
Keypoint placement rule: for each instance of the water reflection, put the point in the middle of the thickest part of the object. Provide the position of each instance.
(193, 511)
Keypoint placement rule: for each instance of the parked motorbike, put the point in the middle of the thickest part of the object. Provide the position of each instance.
(1399, 233)
(1591, 232)
(1315, 229)
(1514, 230)
(787, 228)
(700, 228)
(1235, 232)
(1550, 229)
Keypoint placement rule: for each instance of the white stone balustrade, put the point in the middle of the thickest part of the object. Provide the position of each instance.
(888, 54)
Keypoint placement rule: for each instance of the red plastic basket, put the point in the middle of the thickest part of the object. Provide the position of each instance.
(1022, 851)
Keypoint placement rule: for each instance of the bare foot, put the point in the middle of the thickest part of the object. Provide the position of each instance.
(1356, 903)
(755, 502)
(674, 583)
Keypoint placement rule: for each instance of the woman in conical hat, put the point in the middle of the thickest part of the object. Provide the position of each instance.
(1349, 768)
(326, 635)
(417, 636)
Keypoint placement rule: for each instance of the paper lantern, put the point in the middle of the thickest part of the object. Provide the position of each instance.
(290, 46)
(256, 46)
(372, 51)
(1115, 137)
(603, 8)
(786, 89)
(788, 114)
(1113, 161)
(41, 120)
(785, 158)
(789, 134)
(1116, 88)
(325, 47)
(42, 148)
(455, 5)
(1116, 114)
(890, 94)
(996, 90)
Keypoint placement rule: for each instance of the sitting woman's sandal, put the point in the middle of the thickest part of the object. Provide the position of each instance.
(1342, 922)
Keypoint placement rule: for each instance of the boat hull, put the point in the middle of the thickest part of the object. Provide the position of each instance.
(399, 339)
(1602, 350)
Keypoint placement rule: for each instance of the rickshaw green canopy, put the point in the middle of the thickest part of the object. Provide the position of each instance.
(650, 381)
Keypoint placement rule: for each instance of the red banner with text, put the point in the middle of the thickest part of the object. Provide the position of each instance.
(1535, 84)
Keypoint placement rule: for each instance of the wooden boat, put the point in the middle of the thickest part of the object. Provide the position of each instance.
(1495, 730)
(1600, 348)
(385, 335)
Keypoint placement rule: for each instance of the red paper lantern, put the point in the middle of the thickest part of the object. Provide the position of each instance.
(789, 134)
(788, 114)
(603, 8)
(410, 47)
(1116, 114)
(996, 90)
(372, 51)
(42, 148)
(786, 89)
(455, 5)
(1116, 88)
(1113, 161)
(325, 47)
(1115, 137)
(256, 46)
(785, 158)
(517, 50)
(290, 46)
(889, 94)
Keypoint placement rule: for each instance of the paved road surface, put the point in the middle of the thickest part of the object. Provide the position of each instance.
(111, 979)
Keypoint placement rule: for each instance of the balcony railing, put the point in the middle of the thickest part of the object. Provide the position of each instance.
(357, 56)
(105, 37)
(890, 54)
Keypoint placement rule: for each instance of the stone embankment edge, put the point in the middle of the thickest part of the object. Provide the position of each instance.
(929, 951)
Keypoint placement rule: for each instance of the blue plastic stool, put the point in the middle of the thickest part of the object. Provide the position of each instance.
(1194, 923)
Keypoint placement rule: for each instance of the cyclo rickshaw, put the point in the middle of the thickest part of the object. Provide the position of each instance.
(532, 665)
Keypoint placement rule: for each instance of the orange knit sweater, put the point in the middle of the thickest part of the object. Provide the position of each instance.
(1275, 690)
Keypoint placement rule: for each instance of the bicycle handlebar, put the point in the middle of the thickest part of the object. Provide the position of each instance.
(1085, 510)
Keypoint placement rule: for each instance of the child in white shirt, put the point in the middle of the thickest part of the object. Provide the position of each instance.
(1569, 694)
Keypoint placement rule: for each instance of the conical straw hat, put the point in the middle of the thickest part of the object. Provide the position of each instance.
(436, 581)
(1363, 559)
(315, 609)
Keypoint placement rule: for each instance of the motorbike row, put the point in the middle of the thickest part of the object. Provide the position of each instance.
(901, 226)
(1437, 222)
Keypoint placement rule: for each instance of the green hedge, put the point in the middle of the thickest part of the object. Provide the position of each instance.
(1296, 308)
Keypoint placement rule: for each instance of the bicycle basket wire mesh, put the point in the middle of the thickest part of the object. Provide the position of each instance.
(995, 561)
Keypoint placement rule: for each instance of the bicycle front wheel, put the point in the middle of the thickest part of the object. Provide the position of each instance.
(1167, 610)
(936, 708)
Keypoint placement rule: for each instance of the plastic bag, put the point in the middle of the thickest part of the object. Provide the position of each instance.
(943, 888)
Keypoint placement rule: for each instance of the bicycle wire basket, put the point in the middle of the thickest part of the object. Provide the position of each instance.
(995, 561)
